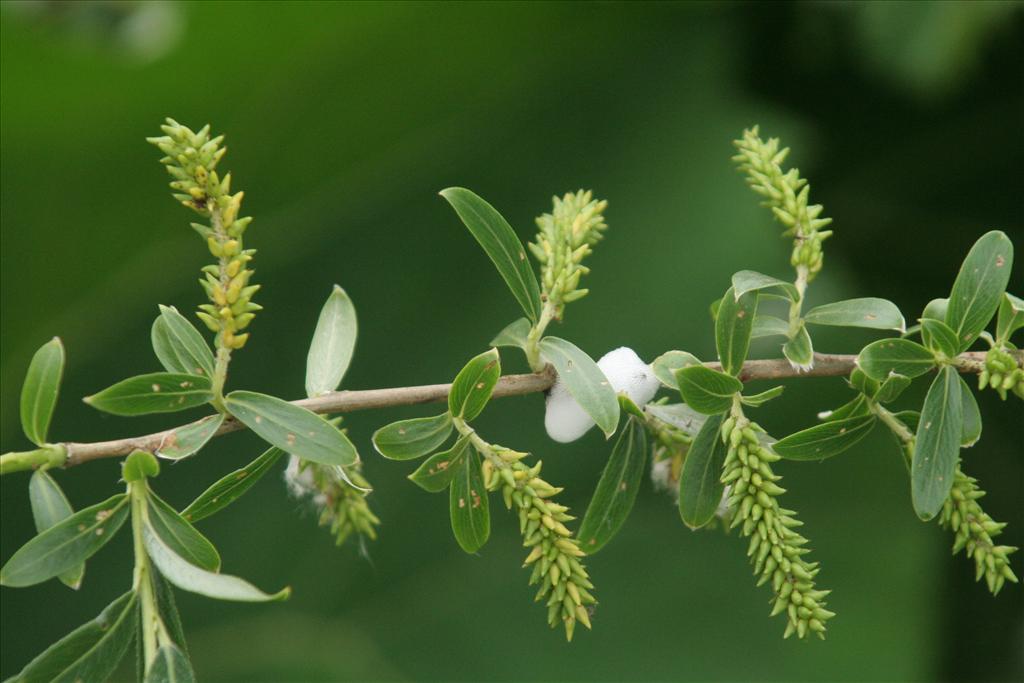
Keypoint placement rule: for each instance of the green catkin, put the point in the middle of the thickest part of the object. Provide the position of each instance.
(342, 505)
(973, 532)
(555, 558)
(786, 194)
(1002, 373)
(191, 159)
(776, 549)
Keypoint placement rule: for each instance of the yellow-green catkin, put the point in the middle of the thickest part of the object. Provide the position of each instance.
(786, 194)
(564, 238)
(974, 531)
(341, 501)
(191, 159)
(555, 556)
(1002, 373)
(776, 549)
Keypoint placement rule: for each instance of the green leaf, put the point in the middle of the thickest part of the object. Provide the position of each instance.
(891, 388)
(158, 392)
(291, 428)
(761, 398)
(170, 665)
(679, 415)
(700, 484)
(39, 392)
(972, 416)
(231, 487)
(409, 439)
(472, 387)
(826, 439)
(937, 442)
(935, 310)
(769, 326)
(333, 342)
(857, 406)
(514, 334)
(467, 505)
(180, 536)
(1010, 318)
(168, 609)
(189, 439)
(89, 653)
(869, 312)
(799, 351)
(707, 391)
(50, 506)
(179, 346)
(752, 281)
(616, 490)
(585, 382)
(66, 544)
(939, 338)
(732, 329)
(665, 366)
(979, 286)
(437, 471)
(498, 239)
(189, 577)
(911, 418)
(862, 383)
(900, 356)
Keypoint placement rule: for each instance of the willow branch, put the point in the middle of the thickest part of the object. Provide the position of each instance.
(337, 402)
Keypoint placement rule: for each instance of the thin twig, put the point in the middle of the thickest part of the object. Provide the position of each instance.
(825, 365)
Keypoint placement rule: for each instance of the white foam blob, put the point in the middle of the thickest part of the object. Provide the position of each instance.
(566, 421)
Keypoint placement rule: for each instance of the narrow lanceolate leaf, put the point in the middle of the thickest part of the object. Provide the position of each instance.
(858, 406)
(66, 544)
(514, 334)
(1010, 318)
(900, 356)
(799, 351)
(769, 326)
(189, 577)
(189, 439)
(408, 439)
(939, 337)
(291, 428)
(231, 487)
(498, 239)
(700, 484)
(869, 312)
(665, 366)
(733, 326)
(170, 665)
(158, 392)
(472, 387)
(89, 653)
(585, 382)
(39, 392)
(467, 505)
(752, 281)
(707, 391)
(180, 536)
(49, 507)
(333, 342)
(179, 346)
(891, 388)
(826, 439)
(616, 490)
(972, 416)
(437, 471)
(761, 398)
(937, 446)
(979, 286)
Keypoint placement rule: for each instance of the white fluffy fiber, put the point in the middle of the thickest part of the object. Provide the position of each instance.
(566, 421)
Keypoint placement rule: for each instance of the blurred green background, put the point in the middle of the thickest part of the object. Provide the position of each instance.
(343, 122)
